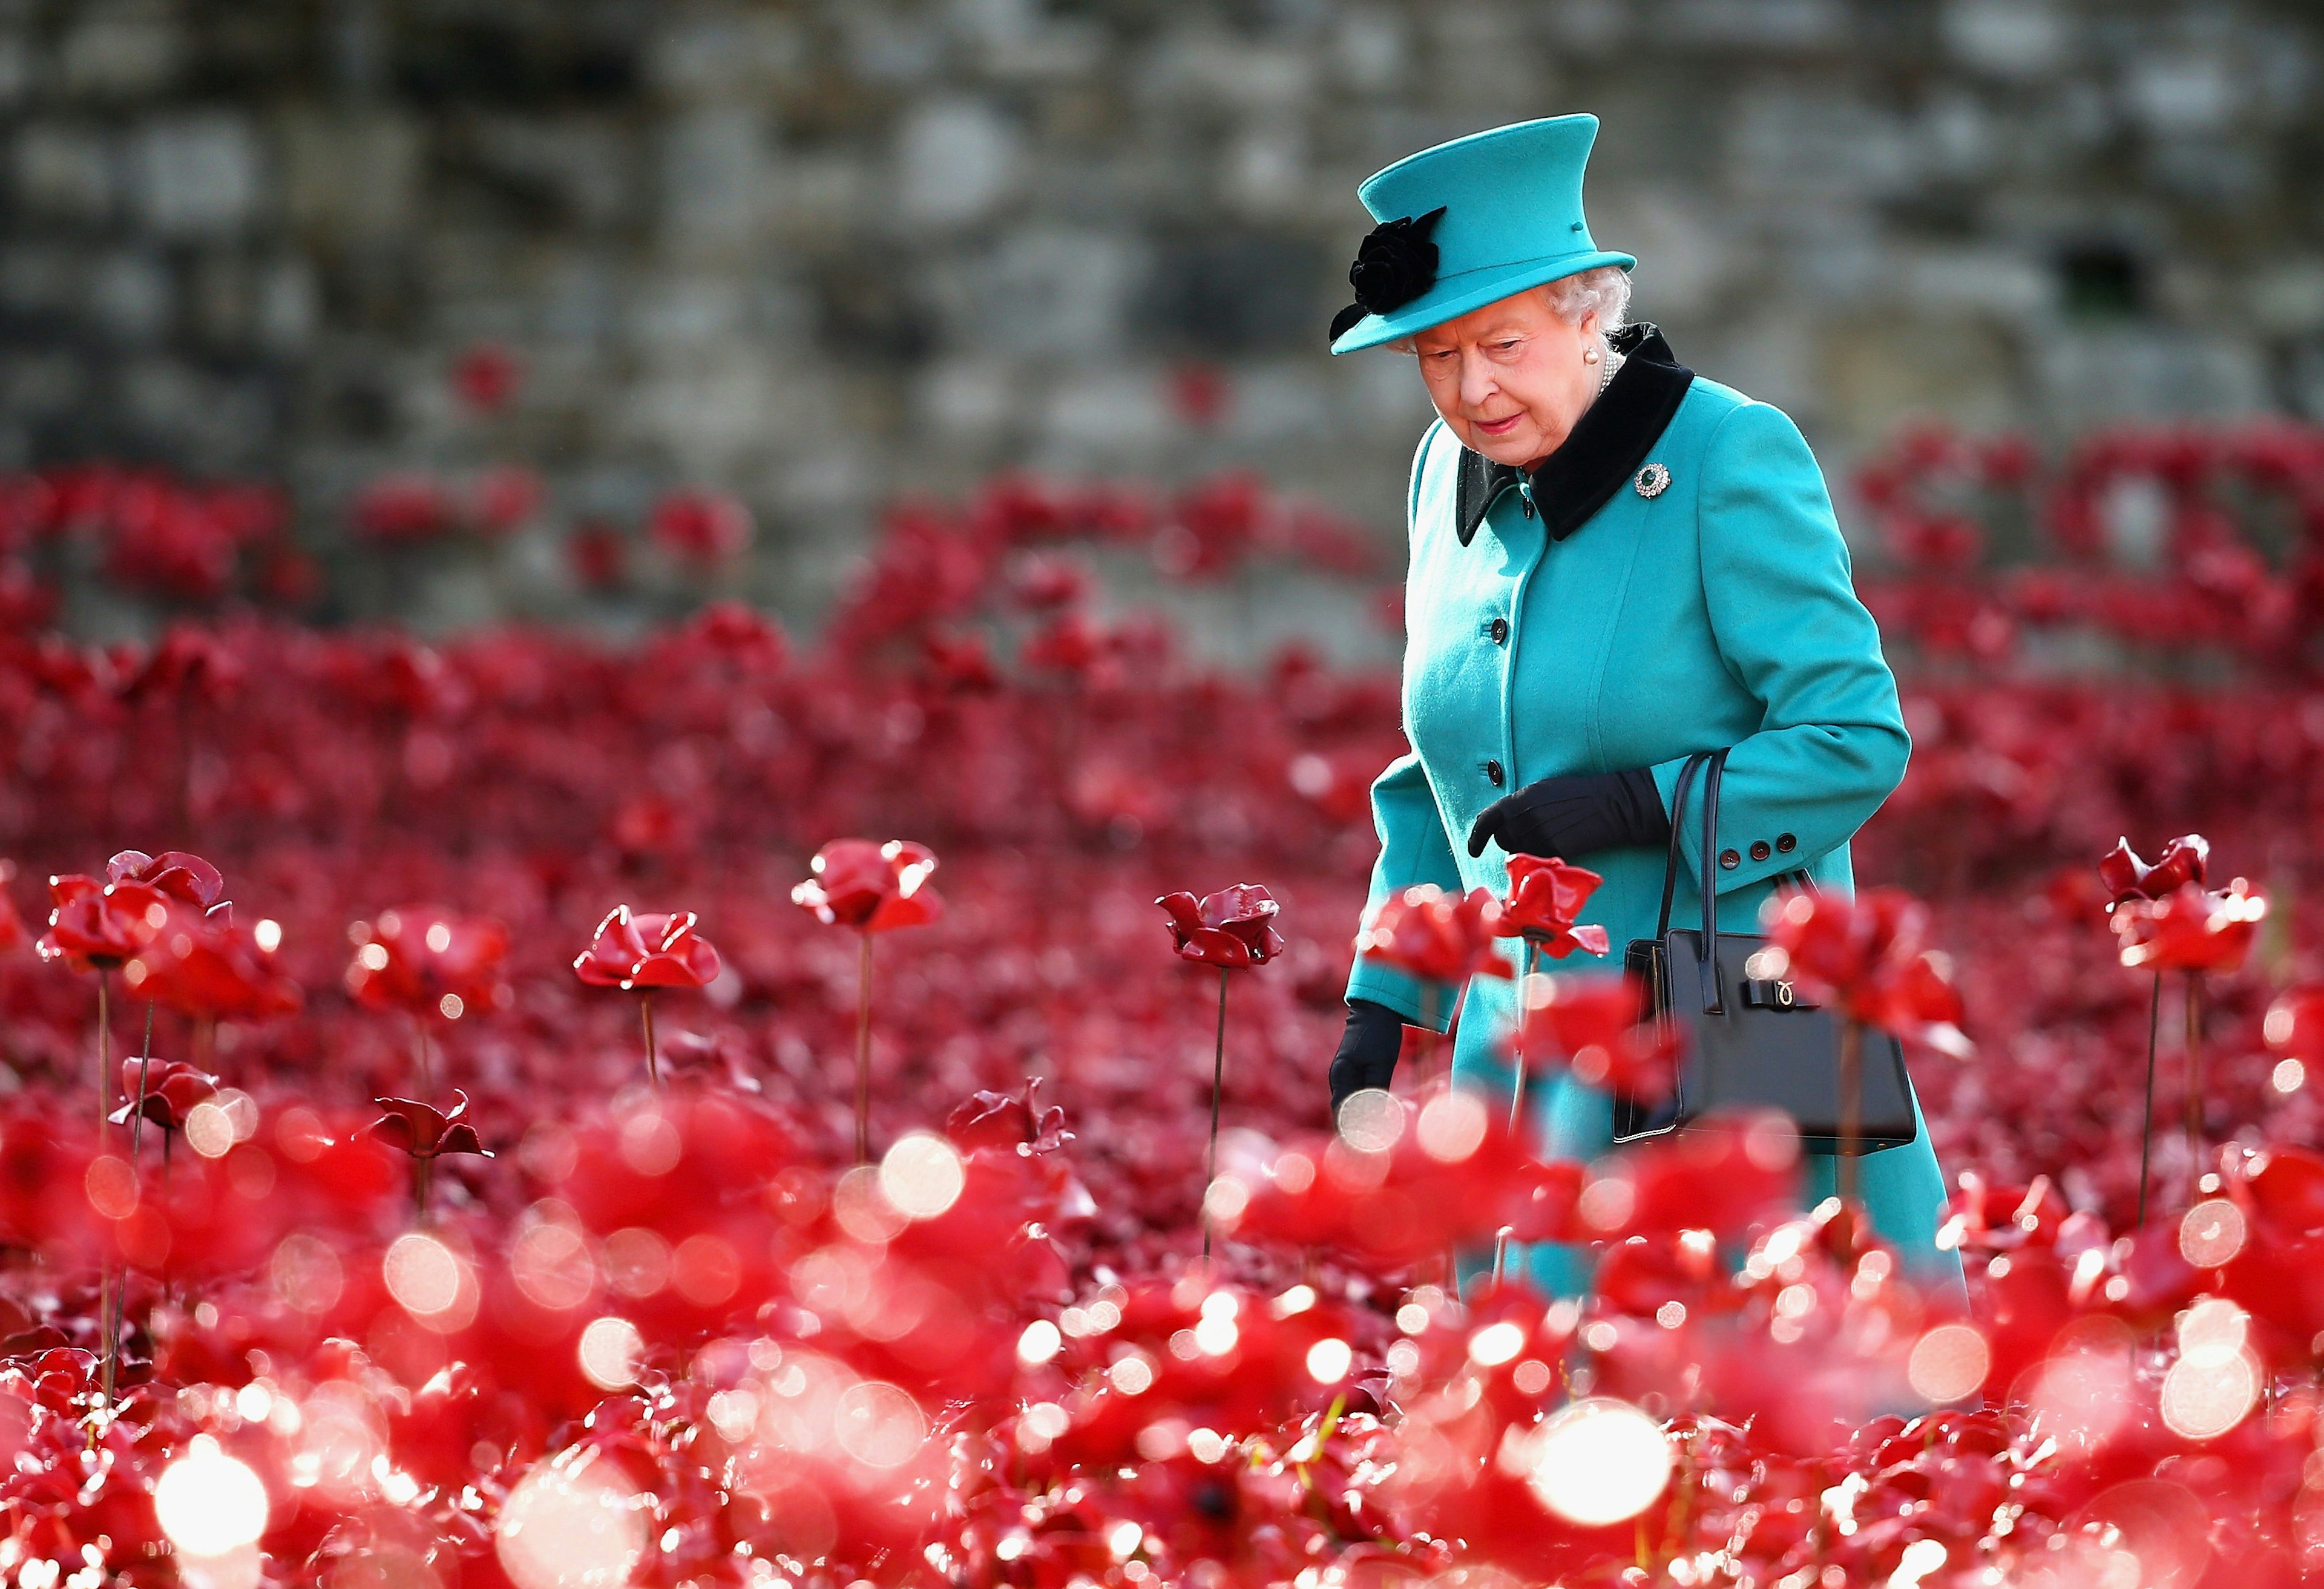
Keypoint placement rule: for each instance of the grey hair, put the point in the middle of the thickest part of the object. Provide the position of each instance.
(1605, 291)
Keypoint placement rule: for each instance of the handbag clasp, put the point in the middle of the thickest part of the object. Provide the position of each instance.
(1773, 993)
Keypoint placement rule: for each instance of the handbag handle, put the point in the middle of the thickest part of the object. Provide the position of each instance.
(1714, 763)
(1678, 825)
(1714, 996)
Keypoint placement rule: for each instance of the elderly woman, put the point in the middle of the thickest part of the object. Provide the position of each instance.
(1615, 563)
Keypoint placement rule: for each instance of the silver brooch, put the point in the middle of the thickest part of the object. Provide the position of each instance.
(1651, 480)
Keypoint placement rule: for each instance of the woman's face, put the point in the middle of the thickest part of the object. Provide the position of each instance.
(1510, 379)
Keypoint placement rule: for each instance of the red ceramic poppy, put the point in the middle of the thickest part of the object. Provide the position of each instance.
(870, 887)
(174, 872)
(1008, 1120)
(1404, 1183)
(1233, 927)
(702, 528)
(2183, 860)
(172, 1089)
(2191, 929)
(1986, 1217)
(14, 934)
(486, 376)
(2281, 1186)
(1865, 955)
(101, 924)
(424, 1131)
(1545, 895)
(2294, 1025)
(1427, 932)
(503, 498)
(205, 967)
(419, 957)
(1726, 1175)
(403, 506)
(647, 950)
(1596, 1026)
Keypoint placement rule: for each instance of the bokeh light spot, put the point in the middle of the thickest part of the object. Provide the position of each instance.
(1452, 1127)
(1598, 1461)
(208, 1503)
(570, 1527)
(1948, 1362)
(1040, 1343)
(210, 1130)
(609, 1351)
(421, 1273)
(306, 1272)
(1371, 1121)
(922, 1175)
(1496, 1343)
(2211, 1233)
(111, 1186)
(879, 1424)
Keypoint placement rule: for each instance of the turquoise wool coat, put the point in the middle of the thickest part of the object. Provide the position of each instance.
(1718, 613)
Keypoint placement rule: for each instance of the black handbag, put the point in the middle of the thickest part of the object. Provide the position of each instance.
(1755, 1043)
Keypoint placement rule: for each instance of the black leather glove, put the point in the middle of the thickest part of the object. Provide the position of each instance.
(1368, 1050)
(1575, 815)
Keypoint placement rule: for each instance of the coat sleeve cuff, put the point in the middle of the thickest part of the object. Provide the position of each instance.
(1802, 852)
(1405, 995)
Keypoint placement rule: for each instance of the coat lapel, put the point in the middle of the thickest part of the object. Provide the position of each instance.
(1606, 448)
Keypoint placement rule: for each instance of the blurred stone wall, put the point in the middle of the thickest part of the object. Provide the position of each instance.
(824, 252)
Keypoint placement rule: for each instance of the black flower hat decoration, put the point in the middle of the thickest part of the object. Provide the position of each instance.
(1394, 265)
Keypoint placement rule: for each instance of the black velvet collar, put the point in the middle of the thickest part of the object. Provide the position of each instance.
(1605, 449)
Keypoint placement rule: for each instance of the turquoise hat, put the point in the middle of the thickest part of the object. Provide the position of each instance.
(1469, 223)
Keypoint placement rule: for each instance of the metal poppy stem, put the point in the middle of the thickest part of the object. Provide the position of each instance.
(1218, 1084)
(2195, 1085)
(136, 1170)
(104, 1052)
(419, 1054)
(1428, 1025)
(2146, 1130)
(864, 1048)
(653, 1059)
(1516, 1101)
(145, 1065)
(1851, 1106)
(105, 1284)
(422, 1184)
(1518, 1085)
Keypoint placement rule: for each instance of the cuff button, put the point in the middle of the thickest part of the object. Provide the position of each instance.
(1728, 859)
(1759, 850)
(1786, 844)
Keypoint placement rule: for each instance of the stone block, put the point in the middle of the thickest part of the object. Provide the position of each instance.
(716, 172)
(968, 402)
(957, 159)
(131, 297)
(65, 169)
(725, 54)
(1047, 289)
(2020, 39)
(352, 178)
(1101, 418)
(115, 51)
(196, 174)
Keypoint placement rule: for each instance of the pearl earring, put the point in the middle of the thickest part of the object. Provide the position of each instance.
(1588, 355)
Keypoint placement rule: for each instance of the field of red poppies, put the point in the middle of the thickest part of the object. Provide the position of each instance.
(539, 1148)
